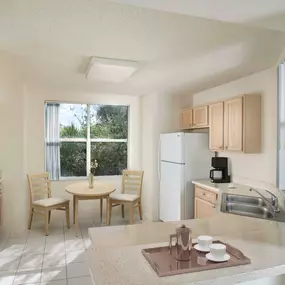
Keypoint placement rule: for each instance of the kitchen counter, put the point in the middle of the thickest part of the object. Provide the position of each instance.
(115, 257)
(239, 189)
(223, 187)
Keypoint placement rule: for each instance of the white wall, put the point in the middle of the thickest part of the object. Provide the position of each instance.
(257, 169)
(12, 136)
(159, 114)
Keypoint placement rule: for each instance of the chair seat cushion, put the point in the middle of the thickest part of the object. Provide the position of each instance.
(124, 197)
(48, 202)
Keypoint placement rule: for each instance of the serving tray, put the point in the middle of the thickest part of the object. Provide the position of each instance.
(165, 264)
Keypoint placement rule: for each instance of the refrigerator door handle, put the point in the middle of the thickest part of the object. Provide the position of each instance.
(158, 160)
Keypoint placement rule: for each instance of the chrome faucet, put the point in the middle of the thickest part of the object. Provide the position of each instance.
(273, 201)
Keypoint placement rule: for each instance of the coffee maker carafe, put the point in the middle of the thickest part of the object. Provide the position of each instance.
(220, 171)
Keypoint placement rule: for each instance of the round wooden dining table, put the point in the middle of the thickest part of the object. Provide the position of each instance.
(81, 191)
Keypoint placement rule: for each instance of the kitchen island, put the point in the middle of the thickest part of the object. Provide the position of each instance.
(115, 255)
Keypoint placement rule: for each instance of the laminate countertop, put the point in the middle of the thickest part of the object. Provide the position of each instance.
(239, 189)
(115, 255)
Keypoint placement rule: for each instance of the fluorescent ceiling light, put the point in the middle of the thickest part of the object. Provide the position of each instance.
(112, 70)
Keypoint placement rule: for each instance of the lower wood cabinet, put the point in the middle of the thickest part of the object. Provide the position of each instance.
(205, 203)
(203, 209)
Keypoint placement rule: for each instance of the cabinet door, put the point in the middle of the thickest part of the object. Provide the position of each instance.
(200, 116)
(204, 209)
(186, 119)
(233, 124)
(216, 125)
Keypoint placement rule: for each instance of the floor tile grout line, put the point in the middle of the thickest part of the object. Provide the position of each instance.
(43, 260)
(18, 267)
(19, 260)
(66, 279)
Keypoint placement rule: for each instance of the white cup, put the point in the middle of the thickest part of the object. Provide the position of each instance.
(218, 250)
(205, 242)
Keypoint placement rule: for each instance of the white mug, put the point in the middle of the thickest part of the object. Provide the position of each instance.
(218, 250)
(205, 241)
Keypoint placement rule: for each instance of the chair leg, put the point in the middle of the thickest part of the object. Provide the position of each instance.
(67, 216)
(131, 213)
(123, 211)
(101, 210)
(46, 222)
(49, 215)
(140, 210)
(30, 218)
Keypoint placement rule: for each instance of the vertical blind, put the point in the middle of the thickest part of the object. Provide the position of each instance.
(52, 140)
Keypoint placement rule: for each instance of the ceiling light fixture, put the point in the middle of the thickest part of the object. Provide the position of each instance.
(111, 70)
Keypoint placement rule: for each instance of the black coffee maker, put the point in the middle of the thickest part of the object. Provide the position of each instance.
(220, 173)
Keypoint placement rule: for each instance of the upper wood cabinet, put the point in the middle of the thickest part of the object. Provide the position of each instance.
(200, 117)
(233, 124)
(242, 124)
(194, 118)
(216, 125)
(186, 119)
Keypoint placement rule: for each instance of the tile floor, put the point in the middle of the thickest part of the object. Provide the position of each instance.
(58, 259)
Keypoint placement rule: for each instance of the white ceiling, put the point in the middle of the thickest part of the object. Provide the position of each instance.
(238, 11)
(52, 42)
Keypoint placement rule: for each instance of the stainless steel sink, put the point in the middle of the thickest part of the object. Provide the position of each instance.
(246, 206)
(256, 201)
(248, 210)
(255, 207)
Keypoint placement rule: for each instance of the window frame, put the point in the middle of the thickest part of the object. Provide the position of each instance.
(89, 140)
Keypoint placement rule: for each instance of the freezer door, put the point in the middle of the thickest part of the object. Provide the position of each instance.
(171, 147)
(171, 192)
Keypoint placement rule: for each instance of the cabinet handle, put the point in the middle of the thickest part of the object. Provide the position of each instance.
(204, 194)
(214, 206)
(226, 147)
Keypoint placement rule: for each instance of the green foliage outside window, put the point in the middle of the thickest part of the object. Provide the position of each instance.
(106, 122)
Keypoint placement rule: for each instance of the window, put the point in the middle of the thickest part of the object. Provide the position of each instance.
(77, 134)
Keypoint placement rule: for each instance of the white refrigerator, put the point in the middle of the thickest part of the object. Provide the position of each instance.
(183, 157)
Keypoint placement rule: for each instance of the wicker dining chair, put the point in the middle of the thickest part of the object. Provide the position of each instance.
(132, 182)
(41, 201)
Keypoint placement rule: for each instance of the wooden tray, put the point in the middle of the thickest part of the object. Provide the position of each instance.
(165, 264)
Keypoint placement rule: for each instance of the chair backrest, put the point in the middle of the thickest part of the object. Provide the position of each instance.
(132, 181)
(40, 186)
